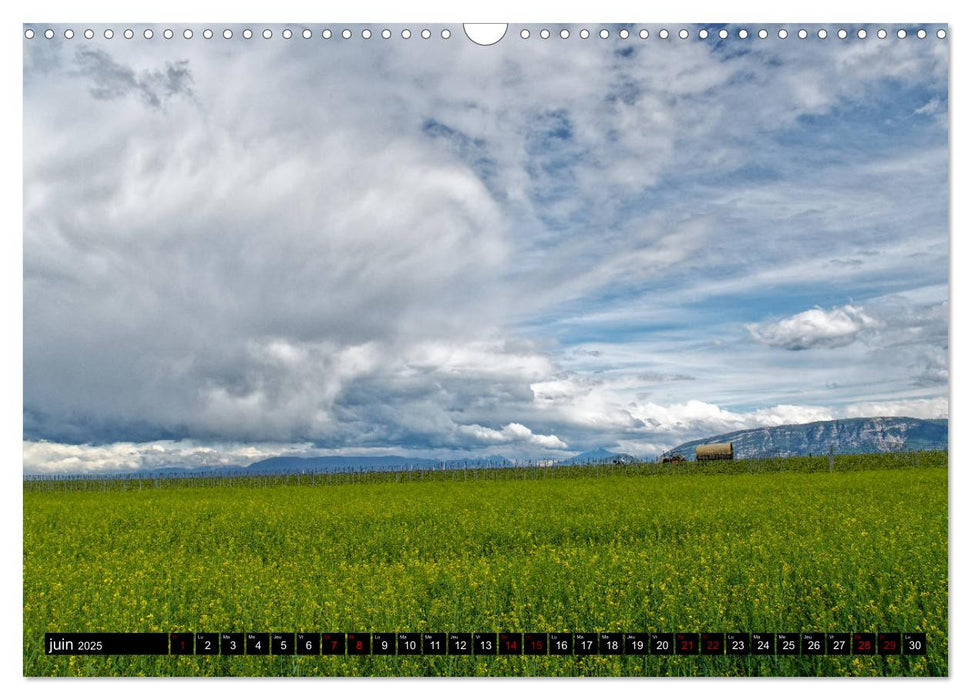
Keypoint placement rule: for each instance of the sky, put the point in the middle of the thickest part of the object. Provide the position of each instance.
(238, 248)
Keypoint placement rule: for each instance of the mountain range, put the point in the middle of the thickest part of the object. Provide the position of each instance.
(846, 436)
(598, 456)
(291, 465)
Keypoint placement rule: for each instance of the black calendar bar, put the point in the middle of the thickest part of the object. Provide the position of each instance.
(488, 643)
(105, 643)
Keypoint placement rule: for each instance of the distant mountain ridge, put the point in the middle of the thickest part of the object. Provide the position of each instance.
(357, 463)
(846, 436)
(597, 456)
(293, 465)
(290, 465)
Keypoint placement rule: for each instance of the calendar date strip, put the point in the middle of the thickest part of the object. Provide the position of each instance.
(488, 643)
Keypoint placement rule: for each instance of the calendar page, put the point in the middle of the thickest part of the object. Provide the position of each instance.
(485, 350)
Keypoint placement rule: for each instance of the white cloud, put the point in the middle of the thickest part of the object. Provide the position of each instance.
(699, 418)
(910, 408)
(903, 340)
(815, 328)
(42, 457)
(785, 414)
(512, 433)
(621, 406)
(932, 107)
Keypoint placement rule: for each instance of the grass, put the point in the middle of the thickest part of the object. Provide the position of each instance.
(859, 549)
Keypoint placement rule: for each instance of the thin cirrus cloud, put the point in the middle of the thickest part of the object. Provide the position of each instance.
(435, 249)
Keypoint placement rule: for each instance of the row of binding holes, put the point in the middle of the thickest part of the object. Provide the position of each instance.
(724, 34)
(246, 34)
(525, 34)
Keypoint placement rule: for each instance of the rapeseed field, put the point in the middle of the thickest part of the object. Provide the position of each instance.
(862, 550)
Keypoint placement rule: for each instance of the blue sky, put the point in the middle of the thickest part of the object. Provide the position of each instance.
(236, 248)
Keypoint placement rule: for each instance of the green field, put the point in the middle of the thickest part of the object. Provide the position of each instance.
(862, 548)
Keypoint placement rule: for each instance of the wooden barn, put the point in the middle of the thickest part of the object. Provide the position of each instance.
(715, 450)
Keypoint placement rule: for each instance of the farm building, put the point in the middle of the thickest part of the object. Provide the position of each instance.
(715, 450)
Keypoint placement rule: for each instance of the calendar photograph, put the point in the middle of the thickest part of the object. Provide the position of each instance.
(526, 350)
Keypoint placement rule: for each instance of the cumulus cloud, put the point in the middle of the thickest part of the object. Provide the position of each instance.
(253, 302)
(44, 457)
(699, 418)
(815, 328)
(512, 433)
(901, 336)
